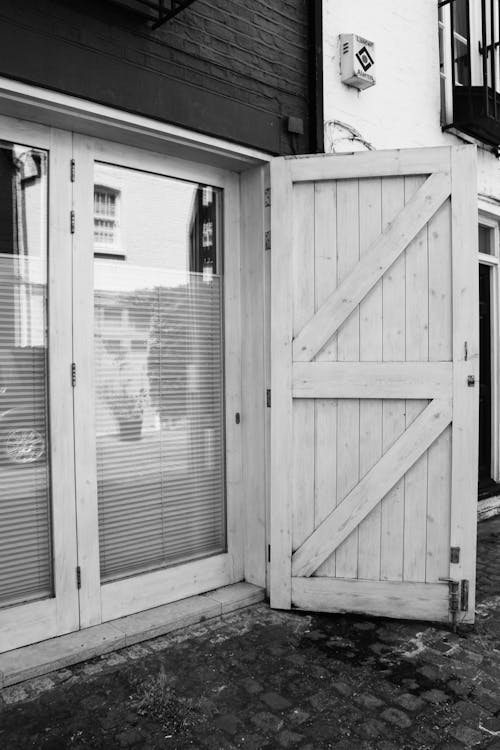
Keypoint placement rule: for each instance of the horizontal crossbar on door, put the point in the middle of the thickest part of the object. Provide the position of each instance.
(370, 164)
(419, 380)
(401, 599)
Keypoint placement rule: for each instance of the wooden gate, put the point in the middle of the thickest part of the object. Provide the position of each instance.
(374, 359)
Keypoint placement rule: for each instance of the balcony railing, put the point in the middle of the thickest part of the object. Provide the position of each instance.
(473, 65)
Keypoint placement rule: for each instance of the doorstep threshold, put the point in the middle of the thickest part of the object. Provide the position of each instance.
(56, 653)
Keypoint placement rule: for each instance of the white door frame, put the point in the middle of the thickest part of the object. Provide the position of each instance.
(46, 618)
(116, 599)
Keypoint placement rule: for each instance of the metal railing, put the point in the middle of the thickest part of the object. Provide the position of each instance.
(157, 11)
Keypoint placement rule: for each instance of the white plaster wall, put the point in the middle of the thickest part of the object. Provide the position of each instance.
(403, 108)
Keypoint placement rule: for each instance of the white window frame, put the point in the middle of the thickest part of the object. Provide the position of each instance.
(489, 216)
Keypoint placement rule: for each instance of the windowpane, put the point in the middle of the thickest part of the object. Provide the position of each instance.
(486, 236)
(25, 547)
(159, 377)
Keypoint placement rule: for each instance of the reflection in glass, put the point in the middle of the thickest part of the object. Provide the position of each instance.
(159, 373)
(25, 548)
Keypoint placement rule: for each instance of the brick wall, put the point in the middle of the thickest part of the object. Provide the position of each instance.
(233, 69)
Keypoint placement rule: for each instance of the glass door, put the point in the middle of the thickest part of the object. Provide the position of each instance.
(154, 335)
(38, 591)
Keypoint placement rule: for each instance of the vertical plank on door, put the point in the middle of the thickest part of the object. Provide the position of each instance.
(440, 350)
(281, 385)
(326, 409)
(370, 350)
(393, 350)
(303, 409)
(465, 364)
(417, 350)
(347, 351)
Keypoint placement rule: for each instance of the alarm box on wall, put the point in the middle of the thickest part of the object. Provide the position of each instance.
(357, 61)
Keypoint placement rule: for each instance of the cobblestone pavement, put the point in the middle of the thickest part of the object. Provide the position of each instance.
(264, 679)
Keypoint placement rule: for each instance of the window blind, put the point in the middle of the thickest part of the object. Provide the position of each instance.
(25, 546)
(160, 434)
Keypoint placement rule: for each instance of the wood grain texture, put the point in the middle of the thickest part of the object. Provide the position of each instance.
(378, 258)
(372, 488)
(380, 598)
(372, 380)
(281, 385)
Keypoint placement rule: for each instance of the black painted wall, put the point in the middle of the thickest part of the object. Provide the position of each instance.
(230, 68)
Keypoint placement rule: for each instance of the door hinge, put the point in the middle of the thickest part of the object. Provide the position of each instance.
(455, 555)
(78, 577)
(237, 417)
(268, 239)
(267, 197)
(73, 374)
(268, 398)
(268, 553)
(458, 598)
(72, 222)
(72, 170)
(471, 381)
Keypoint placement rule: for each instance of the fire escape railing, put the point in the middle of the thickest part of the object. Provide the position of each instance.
(476, 97)
(156, 11)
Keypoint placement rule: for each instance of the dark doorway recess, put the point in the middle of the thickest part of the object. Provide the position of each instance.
(487, 487)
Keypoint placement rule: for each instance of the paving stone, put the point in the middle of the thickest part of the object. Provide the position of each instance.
(40, 685)
(92, 669)
(275, 701)
(372, 728)
(396, 717)
(410, 702)
(289, 739)
(466, 735)
(113, 660)
(430, 672)
(435, 696)
(267, 722)
(228, 723)
(298, 716)
(342, 688)
(368, 701)
(14, 694)
(252, 686)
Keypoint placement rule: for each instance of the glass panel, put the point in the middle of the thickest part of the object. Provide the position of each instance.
(25, 546)
(486, 235)
(460, 21)
(462, 73)
(159, 374)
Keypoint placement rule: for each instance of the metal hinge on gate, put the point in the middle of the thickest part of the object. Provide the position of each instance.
(458, 598)
(78, 577)
(73, 374)
(267, 244)
(267, 197)
(72, 170)
(268, 553)
(268, 397)
(72, 222)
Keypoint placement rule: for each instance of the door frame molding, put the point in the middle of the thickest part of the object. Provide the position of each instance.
(107, 601)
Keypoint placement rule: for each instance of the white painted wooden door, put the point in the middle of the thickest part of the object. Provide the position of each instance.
(374, 357)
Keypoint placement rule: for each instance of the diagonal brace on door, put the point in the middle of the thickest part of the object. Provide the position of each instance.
(374, 486)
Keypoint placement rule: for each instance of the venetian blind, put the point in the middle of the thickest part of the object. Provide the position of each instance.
(160, 468)
(25, 548)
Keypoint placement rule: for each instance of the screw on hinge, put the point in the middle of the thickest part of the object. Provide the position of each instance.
(72, 170)
(72, 222)
(73, 374)
(268, 397)
(78, 577)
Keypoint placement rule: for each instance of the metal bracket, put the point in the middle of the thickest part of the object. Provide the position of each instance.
(268, 398)
(455, 555)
